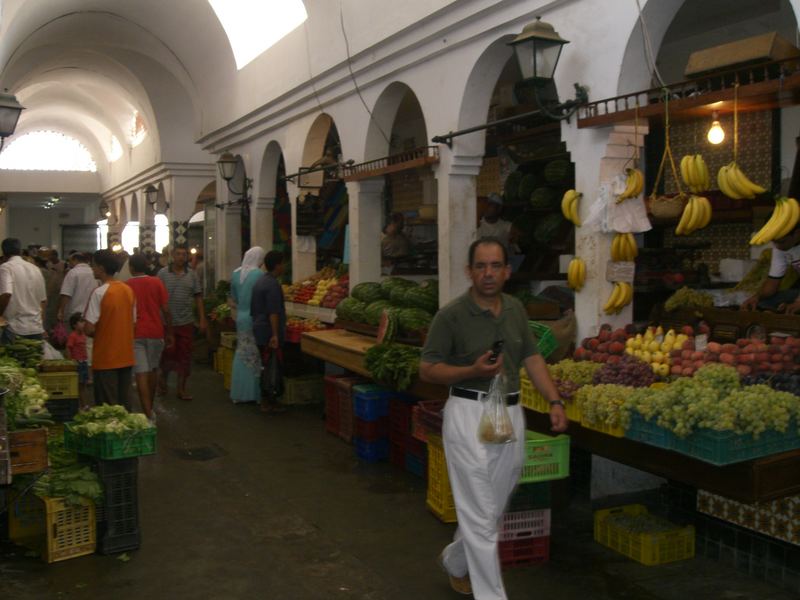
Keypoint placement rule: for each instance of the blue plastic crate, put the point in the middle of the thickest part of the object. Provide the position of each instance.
(416, 465)
(726, 447)
(372, 451)
(371, 401)
(648, 432)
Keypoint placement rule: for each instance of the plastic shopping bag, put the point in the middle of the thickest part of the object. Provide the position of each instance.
(51, 353)
(495, 426)
(59, 335)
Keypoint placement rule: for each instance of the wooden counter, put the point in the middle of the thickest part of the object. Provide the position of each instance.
(758, 480)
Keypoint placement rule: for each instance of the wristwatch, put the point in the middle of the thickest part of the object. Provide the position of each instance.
(557, 403)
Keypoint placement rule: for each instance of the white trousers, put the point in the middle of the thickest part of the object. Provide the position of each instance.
(482, 477)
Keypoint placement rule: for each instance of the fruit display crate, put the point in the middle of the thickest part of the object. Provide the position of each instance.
(52, 528)
(118, 514)
(648, 432)
(227, 339)
(27, 450)
(325, 315)
(372, 451)
(58, 366)
(227, 381)
(60, 384)
(371, 401)
(63, 409)
(546, 457)
(525, 551)
(400, 409)
(305, 389)
(371, 431)
(524, 524)
(530, 496)
(439, 496)
(618, 432)
(342, 386)
(544, 338)
(670, 544)
(531, 398)
(111, 446)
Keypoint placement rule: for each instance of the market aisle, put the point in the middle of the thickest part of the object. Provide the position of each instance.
(237, 505)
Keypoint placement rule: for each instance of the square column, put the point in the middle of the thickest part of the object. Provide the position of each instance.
(457, 220)
(365, 217)
(304, 247)
(261, 223)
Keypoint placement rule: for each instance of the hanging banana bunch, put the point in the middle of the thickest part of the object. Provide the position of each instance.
(783, 221)
(731, 180)
(696, 215)
(576, 274)
(634, 184)
(569, 206)
(623, 247)
(694, 173)
(620, 297)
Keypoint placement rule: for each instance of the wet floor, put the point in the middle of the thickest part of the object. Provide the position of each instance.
(239, 505)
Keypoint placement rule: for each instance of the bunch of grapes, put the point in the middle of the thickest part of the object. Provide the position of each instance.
(688, 298)
(723, 378)
(629, 371)
(605, 404)
(784, 382)
(566, 389)
(580, 372)
(759, 408)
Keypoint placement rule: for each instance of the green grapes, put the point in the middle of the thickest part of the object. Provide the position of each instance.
(604, 404)
(580, 372)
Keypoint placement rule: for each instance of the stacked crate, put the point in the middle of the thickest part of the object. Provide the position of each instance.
(339, 417)
(5, 461)
(525, 531)
(371, 410)
(404, 451)
(118, 513)
(61, 384)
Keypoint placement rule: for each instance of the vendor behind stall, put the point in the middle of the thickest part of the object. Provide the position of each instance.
(785, 255)
(395, 244)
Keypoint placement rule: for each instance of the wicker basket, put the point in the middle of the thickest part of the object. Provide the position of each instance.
(667, 207)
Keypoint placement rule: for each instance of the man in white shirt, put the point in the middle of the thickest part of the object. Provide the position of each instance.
(492, 225)
(23, 297)
(78, 285)
(785, 256)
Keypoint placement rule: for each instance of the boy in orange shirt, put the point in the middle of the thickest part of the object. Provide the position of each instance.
(110, 318)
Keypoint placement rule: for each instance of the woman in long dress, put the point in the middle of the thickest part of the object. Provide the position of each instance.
(246, 374)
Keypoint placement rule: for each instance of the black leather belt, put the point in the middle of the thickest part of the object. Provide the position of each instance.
(511, 399)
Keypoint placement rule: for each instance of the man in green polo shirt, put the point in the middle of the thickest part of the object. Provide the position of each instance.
(458, 353)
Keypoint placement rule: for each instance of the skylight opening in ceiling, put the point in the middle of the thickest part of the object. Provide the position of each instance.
(253, 26)
(47, 151)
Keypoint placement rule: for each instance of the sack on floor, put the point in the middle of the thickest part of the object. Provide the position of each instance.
(495, 426)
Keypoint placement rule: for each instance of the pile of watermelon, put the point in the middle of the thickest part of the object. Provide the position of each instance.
(395, 304)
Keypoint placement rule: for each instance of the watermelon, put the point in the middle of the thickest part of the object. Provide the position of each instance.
(350, 309)
(398, 295)
(367, 292)
(526, 186)
(387, 327)
(414, 319)
(547, 228)
(388, 284)
(511, 187)
(544, 198)
(556, 171)
(372, 314)
(422, 297)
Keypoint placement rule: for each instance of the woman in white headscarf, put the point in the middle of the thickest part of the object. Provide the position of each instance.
(246, 374)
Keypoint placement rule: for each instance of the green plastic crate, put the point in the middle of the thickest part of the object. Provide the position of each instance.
(530, 496)
(544, 338)
(726, 447)
(111, 446)
(546, 457)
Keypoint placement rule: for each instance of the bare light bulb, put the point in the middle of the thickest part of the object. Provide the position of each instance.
(716, 134)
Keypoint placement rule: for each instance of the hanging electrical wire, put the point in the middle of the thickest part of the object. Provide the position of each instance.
(310, 74)
(648, 47)
(353, 77)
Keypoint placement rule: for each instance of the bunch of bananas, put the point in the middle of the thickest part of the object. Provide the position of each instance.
(783, 220)
(634, 184)
(623, 247)
(696, 215)
(735, 184)
(569, 206)
(620, 297)
(576, 274)
(694, 173)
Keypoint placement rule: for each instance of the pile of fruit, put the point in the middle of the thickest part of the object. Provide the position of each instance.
(28, 353)
(298, 325)
(688, 298)
(25, 401)
(627, 371)
(325, 288)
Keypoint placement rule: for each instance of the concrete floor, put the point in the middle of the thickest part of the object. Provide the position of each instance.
(285, 511)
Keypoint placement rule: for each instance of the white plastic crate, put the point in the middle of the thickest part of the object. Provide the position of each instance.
(524, 524)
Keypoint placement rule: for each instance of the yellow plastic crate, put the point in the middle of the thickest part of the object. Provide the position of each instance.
(655, 548)
(530, 397)
(604, 428)
(226, 380)
(227, 366)
(227, 339)
(51, 528)
(215, 361)
(60, 384)
(440, 496)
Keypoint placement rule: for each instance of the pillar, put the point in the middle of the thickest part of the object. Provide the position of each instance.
(304, 247)
(457, 220)
(114, 235)
(261, 223)
(229, 238)
(147, 238)
(178, 232)
(365, 216)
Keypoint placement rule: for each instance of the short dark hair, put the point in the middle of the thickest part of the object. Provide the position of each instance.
(137, 263)
(107, 260)
(53, 254)
(82, 257)
(487, 241)
(273, 259)
(74, 319)
(12, 247)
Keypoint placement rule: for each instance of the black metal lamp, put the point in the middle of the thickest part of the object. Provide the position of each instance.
(151, 195)
(105, 210)
(227, 165)
(10, 110)
(538, 49)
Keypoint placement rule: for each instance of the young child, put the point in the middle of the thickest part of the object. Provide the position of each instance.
(76, 348)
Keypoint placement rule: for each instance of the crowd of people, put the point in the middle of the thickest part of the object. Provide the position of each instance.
(116, 315)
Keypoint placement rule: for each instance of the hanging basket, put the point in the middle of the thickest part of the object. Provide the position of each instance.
(667, 207)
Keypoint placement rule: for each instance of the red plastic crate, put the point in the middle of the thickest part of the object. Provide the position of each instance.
(332, 417)
(430, 415)
(371, 431)
(416, 447)
(399, 419)
(342, 387)
(525, 551)
(397, 454)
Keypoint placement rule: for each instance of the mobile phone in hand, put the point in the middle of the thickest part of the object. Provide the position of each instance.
(497, 348)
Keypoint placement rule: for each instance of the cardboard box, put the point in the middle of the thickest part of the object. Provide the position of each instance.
(762, 48)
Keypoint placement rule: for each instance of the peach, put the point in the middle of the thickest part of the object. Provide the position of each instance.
(714, 347)
(728, 359)
(744, 370)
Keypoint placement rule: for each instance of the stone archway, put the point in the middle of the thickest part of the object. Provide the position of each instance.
(271, 192)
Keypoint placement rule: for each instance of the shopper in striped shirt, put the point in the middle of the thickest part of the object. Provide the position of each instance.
(185, 293)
